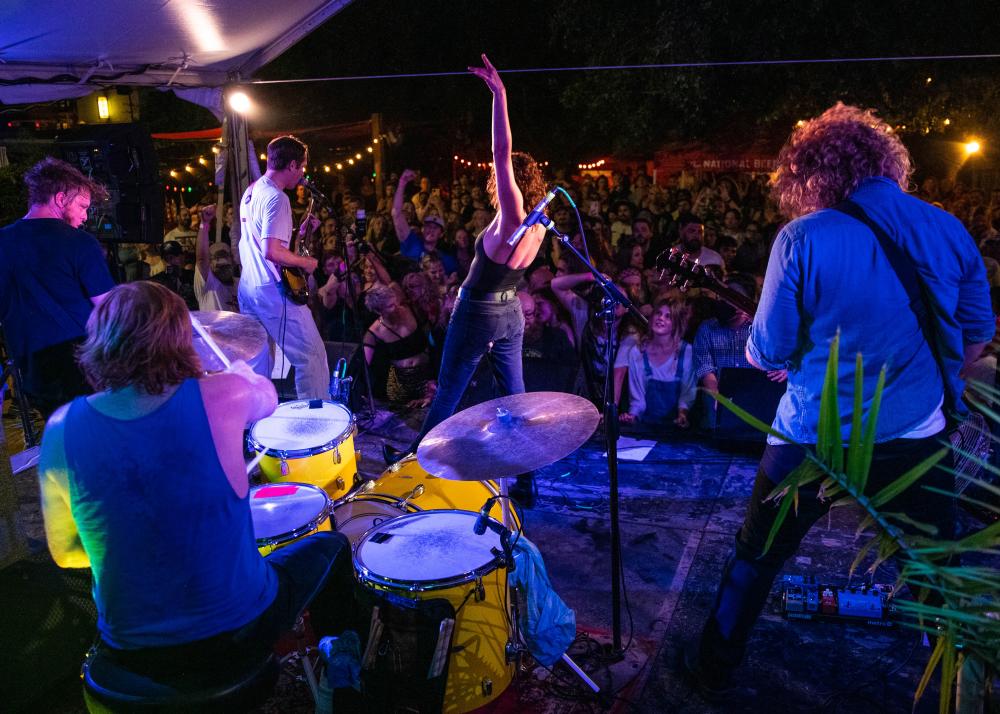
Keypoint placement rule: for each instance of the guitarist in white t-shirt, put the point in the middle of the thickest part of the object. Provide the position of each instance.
(266, 216)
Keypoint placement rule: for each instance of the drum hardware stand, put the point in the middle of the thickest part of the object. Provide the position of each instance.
(612, 298)
(302, 652)
(516, 646)
(10, 371)
(359, 223)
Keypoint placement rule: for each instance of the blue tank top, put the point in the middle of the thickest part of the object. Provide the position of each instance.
(171, 545)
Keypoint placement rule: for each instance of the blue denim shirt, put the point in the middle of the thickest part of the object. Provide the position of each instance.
(827, 272)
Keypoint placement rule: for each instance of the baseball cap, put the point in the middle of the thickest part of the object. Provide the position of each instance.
(171, 247)
(436, 220)
(220, 253)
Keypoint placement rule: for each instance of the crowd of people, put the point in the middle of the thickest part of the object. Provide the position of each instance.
(389, 268)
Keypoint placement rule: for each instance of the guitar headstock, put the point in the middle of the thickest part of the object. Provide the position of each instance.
(687, 274)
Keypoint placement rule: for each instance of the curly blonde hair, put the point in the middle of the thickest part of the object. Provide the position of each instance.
(139, 335)
(527, 176)
(826, 159)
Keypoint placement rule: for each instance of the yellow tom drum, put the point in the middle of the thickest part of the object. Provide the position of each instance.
(405, 487)
(308, 442)
(435, 554)
(284, 513)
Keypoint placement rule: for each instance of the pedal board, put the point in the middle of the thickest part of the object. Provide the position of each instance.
(805, 597)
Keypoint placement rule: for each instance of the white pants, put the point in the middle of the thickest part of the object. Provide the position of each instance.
(292, 327)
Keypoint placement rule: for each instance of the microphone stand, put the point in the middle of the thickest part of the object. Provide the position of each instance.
(612, 297)
(352, 296)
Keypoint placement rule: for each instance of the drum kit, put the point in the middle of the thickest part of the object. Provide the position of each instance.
(415, 530)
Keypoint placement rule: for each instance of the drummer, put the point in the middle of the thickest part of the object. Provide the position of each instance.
(145, 483)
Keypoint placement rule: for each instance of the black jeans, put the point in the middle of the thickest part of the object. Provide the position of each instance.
(315, 571)
(747, 577)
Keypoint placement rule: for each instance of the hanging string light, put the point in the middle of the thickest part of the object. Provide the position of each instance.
(591, 166)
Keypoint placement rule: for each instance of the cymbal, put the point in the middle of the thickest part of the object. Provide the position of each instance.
(508, 436)
(241, 337)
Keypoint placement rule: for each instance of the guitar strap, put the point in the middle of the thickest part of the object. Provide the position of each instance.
(920, 300)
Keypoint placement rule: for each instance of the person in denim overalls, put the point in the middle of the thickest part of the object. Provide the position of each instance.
(661, 378)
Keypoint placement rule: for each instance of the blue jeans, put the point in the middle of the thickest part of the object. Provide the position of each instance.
(473, 326)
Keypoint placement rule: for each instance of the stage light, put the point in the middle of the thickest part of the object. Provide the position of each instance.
(202, 161)
(351, 162)
(374, 141)
(972, 147)
(189, 168)
(103, 111)
(947, 122)
(339, 167)
(215, 149)
(456, 157)
(239, 102)
(173, 174)
(370, 149)
(929, 80)
(263, 157)
(358, 157)
(326, 168)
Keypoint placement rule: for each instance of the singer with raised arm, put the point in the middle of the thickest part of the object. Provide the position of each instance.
(487, 310)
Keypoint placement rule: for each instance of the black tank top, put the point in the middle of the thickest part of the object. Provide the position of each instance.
(488, 275)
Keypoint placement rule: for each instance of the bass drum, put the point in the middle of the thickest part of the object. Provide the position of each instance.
(405, 487)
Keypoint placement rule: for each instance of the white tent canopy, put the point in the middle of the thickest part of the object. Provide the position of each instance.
(62, 49)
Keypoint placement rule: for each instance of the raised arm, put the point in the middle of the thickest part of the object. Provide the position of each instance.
(399, 221)
(201, 257)
(53, 479)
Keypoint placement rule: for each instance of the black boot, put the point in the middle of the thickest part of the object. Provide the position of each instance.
(391, 454)
(523, 491)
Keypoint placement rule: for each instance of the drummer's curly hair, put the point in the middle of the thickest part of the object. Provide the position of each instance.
(140, 336)
(527, 176)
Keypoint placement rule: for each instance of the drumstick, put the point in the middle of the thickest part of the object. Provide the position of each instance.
(256, 460)
(200, 329)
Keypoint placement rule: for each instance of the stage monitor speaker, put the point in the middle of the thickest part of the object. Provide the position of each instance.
(754, 392)
(122, 158)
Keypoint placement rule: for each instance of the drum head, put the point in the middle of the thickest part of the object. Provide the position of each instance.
(282, 511)
(429, 548)
(294, 427)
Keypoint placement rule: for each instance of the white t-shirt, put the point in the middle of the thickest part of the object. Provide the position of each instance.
(213, 294)
(707, 256)
(264, 213)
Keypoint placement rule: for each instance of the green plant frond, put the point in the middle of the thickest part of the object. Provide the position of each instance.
(887, 547)
(922, 527)
(867, 522)
(855, 458)
(932, 663)
(779, 519)
(868, 443)
(961, 497)
(958, 593)
(804, 473)
(750, 419)
(949, 669)
(906, 480)
(985, 538)
(829, 443)
(829, 488)
(929, 612)
(988, 578)
(862, 552)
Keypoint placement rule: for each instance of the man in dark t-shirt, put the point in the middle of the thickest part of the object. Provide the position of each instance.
(51, 275)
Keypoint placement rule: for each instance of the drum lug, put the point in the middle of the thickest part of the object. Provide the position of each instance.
(415, 493)
(480, 590)
(336, 455)
(487, 687)
(284, 467)
(339, 483)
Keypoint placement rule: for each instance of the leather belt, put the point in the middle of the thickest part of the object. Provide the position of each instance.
(487, 295)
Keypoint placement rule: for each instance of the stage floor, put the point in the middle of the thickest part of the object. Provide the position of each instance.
(680, 508)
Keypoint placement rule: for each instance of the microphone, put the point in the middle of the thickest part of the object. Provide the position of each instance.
(533, 218)
(484, 515)
(317, 194)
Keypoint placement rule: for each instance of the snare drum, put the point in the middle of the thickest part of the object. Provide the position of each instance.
(435, 554)
(308, 445)
(283, 513)
(406, 488)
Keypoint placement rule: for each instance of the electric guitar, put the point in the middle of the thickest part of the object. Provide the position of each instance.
(689, 274)
(294, 281)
